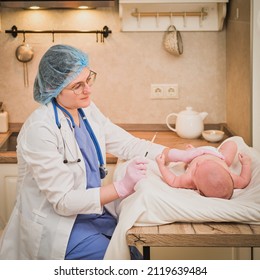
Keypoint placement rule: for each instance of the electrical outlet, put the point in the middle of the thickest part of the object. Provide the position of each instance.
(171, 91)
(157, 91)
(164, 91)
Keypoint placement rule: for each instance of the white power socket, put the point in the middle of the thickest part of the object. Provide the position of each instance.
(157, 91)
(171, 91)
(164, 91)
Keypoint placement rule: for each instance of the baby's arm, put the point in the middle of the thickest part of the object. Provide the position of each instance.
(242, 180)
(228, 150)
(170, 178)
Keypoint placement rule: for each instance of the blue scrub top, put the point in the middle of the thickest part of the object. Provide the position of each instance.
(87, 225)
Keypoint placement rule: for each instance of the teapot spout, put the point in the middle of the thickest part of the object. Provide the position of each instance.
(203, 115)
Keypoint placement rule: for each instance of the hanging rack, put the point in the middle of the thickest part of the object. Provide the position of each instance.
(201, 14)
(104, 33)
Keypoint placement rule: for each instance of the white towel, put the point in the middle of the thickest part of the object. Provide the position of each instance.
(155, 203)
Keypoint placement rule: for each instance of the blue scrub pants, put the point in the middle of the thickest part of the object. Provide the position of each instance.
(91, 248)
(94, 248)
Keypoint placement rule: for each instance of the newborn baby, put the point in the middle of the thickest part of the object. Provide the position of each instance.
(209, 174)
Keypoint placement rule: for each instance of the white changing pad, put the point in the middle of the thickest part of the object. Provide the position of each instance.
(155, 203)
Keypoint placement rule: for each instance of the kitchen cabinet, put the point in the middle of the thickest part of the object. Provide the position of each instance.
(57, 4)
(8, 179)
(255, 11)
(238, 78)
(243, 67)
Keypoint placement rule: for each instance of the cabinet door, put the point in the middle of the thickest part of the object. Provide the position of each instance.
(8, 179)
(10, 195)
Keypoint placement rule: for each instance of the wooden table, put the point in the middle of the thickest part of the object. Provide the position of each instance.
(195, 235)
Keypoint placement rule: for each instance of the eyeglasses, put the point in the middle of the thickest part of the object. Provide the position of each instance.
(78, 88)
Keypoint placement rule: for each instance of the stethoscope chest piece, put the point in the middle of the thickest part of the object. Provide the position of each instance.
(103, 171)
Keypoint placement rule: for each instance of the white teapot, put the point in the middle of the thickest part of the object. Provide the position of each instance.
(189, 124)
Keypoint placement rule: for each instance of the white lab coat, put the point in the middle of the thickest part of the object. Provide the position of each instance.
(51, 193)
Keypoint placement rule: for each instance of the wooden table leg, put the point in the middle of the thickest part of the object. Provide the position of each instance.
(146, 252)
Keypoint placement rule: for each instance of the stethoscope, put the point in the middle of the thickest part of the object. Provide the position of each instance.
(102, 168)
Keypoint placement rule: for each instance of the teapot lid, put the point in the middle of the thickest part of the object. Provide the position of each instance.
(189, 111)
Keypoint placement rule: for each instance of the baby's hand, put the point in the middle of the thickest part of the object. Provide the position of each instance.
(189, 146)
(244, 159)
(160, 159)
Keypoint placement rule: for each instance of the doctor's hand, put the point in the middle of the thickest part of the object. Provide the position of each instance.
(136, 170)
(188, 155)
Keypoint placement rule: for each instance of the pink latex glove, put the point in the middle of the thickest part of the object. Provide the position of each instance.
(191, 153)
(136, 170)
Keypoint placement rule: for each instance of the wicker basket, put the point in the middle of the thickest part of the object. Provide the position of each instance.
(172, 41)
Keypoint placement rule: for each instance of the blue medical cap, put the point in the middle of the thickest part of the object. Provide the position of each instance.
(59, 66)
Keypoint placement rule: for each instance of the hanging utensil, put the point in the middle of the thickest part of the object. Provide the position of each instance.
(24, 53)
(172, 41)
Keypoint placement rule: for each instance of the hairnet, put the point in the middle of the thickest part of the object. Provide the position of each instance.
(59, 66)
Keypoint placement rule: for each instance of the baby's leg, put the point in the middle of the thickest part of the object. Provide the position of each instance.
(228, 150)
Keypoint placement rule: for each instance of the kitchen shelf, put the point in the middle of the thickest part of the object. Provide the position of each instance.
(190, 15)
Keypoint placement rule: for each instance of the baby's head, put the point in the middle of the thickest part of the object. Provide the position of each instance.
(213, 180)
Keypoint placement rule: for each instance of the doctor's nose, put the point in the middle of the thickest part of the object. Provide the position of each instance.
(86, 88)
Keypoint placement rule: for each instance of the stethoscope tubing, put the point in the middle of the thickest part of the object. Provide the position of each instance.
(102, 168)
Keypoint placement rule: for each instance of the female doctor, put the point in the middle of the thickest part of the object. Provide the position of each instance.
(60, 210)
